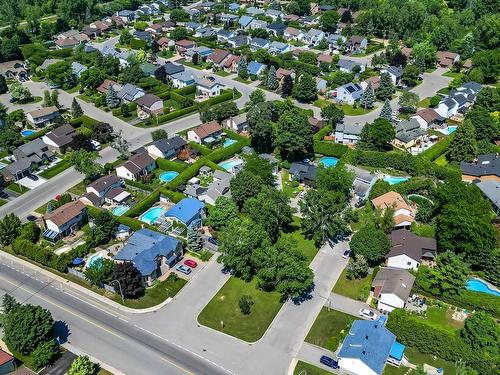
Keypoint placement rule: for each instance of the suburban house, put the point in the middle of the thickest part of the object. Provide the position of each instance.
(237, 124)
(230, 65)
(255, 68)
(224, 35)
(183, 45)
(408, 251)
(349, 93)
(408, 133)
(136, 166)
(126, 15)
(104, 189)
(253, 11)
(182, 79)
(392, 287)
(347, 66)
(149, 104)
(164, 43)
(218, 187)
(313, 37)
(245, 22)
(395, 72)
(277, 48)
(368, 347)
(205, 32)
(130, 93)
(65, 220)
(291, 33)
(43, 116)
(208, 86)
(303, 172)
(238, 41)
(404, 214)
(151, 252)
(459, 100)
(104, 87)
(60, 138)
(325, 58)
(276, 29)
(348, 134)
(172, 69)
(282, 73)
(77, 68)
(259, 43)
(217, 57)
(491, 190)
(207, 133)
(257, 24)
(335, 41)
(166, 148)
(485, 168)
(67, 43)
(228, 18)
(446, 59)
(29, 157)
(189, 211)
(275, 14)
(356, 44)
(374, 81)
(428, 118)
(14, 69)
(363, 181)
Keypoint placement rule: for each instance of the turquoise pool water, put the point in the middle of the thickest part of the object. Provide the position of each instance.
(151, 215)
(478, 285)
(120, 210)
(393, 180)
(328, 161)
(93, 258)
(228, 165)
(452, 129)
(27, 132)
(2, 166)
(228, 142)
(168, 176)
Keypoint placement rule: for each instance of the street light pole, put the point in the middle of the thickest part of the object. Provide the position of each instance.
(120, 287)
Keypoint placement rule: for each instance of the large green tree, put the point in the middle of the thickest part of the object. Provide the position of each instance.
(370, 242)
(10, 228)
(86, 162)
(293, 135)
(377, 135)
(130, 280)
(386, 87)
(60, 74)
(463, 147)
(482, 333)
(332, 114)
(305, 89)
(82, 366)
(222, 213)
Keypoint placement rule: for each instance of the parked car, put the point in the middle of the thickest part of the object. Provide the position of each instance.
(95, 145)
(3, 194)
(184, 269)
(33, 177)
(190, 263)
(12, 100)
(31, 218)
(330, 362)
(368, 314)
(346, 254)
(213, 241)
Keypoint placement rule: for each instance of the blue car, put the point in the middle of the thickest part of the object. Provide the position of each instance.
(330, 362)
(184, 269)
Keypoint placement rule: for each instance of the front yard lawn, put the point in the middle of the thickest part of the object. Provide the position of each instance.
(16, 188)
(418, 358)
(307, 247)
(78, 189)
(303, 368)
(329, 329)
(222, 73)
(2, 202)
(349, 110)
(56, 169)
(356, 288)
(155, 295)
(224, 307)
(242, 80)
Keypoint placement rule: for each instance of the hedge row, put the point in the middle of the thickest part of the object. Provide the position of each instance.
(321, 133)
(178, 98)
(139, 185)
(438, 149)
(191, 89)
(186, 174)
(200, 148)
(140, 207)
(330, 149)
(163, 95)
(38, 134)
(169, 165)
(174, 196)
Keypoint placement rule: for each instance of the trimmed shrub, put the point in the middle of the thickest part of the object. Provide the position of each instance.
(141, 206)
(191, 89)
(438, 149)
(139, 185)
(169, 165)
(330, 149)
(200, 148)
(174, 196)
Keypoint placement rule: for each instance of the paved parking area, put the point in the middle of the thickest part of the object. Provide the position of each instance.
(31, 184)
(194, 271)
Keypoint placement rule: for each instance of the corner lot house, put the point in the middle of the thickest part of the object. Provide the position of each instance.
(207, 133)
(59, 138)
(408, 250)
(149, 104)
(403, 212)
(347, 66)
(189, 211)
(43, 116)
(428, 118)
(349, 93)
(152, 253)
(65, 220)
(166, 148)
(367, 348)
(98, 190)
(137, 166)
(209, 87)
(392, 287)
(485, 168)
(14, 69)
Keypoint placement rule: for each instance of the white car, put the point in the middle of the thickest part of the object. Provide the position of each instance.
(95, 144)
(368, 314)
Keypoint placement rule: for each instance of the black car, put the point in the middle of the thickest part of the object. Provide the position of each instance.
(346, 254)
(12, 100)
(3, 194)
(31, 218)
(33, 177)
(330, 362)
(213, 241)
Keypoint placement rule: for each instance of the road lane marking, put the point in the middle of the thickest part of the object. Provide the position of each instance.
(176, 365)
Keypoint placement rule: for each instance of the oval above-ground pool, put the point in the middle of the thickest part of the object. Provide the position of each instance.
(168, 176)
(328, 161)
(478, 285)
(27, 132)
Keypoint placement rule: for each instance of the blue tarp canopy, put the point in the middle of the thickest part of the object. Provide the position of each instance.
(397, 351)
(78, 261)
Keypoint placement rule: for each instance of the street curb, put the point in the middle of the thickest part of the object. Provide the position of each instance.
(103, 365)
(82, 289)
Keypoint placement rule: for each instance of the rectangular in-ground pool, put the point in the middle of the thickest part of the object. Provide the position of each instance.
(230, 164)
(152, 215)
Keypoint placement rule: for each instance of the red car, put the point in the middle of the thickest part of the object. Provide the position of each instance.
(190, 263)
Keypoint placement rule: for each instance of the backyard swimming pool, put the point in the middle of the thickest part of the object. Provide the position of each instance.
(151, 215)
(2, 166)
(228, 142)
(230, 164)
(477, 285)
(394, 180)
(27, 132)
(93, 259)
(120, 210)
(168, 176)
(328, 161)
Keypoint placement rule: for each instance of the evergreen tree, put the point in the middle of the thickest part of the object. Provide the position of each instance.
(195, 59)
(287, 86)
(111, 97)
(3, 85)
(242, 65)
(76, 110)
(47, 100)
(368, 97)
(272, 80)
(463, 147)
(194, 240)
(386, 110)
(54, 98)
(386, 87)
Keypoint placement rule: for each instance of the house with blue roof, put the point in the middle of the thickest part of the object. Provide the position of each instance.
(259, 43)
(189, 211)
(234, 7)
(255, 68)
(151, 252)
(367, 348)
(245, 22)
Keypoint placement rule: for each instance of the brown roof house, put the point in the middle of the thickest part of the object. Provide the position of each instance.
(207, 133)
(107, 186)
(403, 212)
(59, 138)
(375, 81)
(392, 287)
(485, 168)
(149, 104)
(43, 116)
(230, 65)
(65, 220)
(217, 57)
(428, 118)
(408, 251)
(136, 166)
(183, 45)
(104, 87)
(446, 59)
(357, 44)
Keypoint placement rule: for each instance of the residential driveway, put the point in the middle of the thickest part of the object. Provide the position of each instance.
(432, 83)
(194, 271)
(311, 354)
(348, 305)
(31, 184)
(61, 366)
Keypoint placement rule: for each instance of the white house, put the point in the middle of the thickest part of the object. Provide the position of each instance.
(349, 93)
(291, 33)
(65, 220)
(43, 116)
(137, 166)
(237, 124)
(166, 148)
(313, 36)
(209, 86)
(208, 132)
(408, 250)
(395, 72)
(392, 287)
(149, 104)
(348, 134)
(100, 189)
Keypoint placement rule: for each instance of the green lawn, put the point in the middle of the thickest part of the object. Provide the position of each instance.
(307, 247)
(56, 169)
(423, 230)
(16, 188)
(425, 103)
(348, 110)
(440, 317)
(242, 80)
(73, 89)
(222, 73)
(288, 188)
(356, 288)
(444, 90)
(42, 209)
(365, 216)
(329, 328)
(2, 202)
(304, 368)
(155, 295)
(441, 160)
(78, 189)
(224, 308)
(418, 358)
(451, 74)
